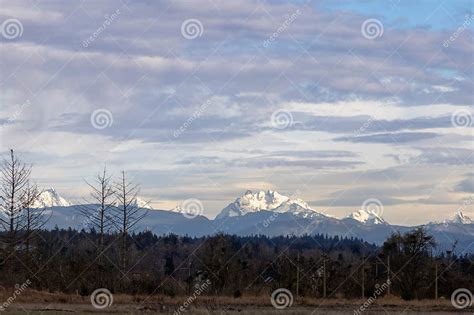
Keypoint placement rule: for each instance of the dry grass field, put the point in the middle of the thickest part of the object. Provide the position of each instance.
(44, 303)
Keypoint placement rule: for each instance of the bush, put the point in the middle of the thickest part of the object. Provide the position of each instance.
(237, 294)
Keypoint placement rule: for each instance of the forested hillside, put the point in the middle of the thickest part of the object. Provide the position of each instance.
(73, 261)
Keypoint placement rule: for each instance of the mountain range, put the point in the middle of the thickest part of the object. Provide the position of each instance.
(271, 213)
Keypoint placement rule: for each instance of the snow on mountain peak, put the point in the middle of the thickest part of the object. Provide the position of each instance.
(269, 200)
(367, 216)
(50, 198)
(180, 209)
(140, 203)
(459, 218)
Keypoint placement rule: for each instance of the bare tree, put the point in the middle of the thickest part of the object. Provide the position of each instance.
(17, 197)
(99, 213)
(130, 211)
(35, 214)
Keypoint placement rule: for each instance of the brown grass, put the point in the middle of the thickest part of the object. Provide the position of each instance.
(34, 296)
(41, 300)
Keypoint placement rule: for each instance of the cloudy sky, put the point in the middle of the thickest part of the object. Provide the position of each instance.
(335, 102)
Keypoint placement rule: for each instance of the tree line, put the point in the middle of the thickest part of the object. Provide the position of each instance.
(311, 266)
(109, 253)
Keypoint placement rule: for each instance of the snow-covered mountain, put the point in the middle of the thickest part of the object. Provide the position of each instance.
(367, 217)
(460, 218)
(269, 201)
(50, 198)
(140, 203)
(271, 214)
(457, 218)
(180, 209)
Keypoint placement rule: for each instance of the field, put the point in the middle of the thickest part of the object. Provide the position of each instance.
(36, 302)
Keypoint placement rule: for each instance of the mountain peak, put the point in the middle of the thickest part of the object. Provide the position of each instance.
(269, 200)
(367, 216)
(141, 203)
(460, 218)
(50, 198)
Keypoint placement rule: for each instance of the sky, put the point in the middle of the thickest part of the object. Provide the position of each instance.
(334, 102)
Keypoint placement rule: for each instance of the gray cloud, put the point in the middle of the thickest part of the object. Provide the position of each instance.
(393, 138)
(466, 185)
(314, 154)
(268, 162)
(153, 80)
(365, 124)
(447, 156)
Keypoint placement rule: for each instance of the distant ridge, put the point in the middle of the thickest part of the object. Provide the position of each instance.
(269, 213)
